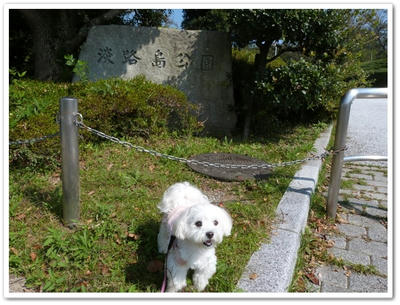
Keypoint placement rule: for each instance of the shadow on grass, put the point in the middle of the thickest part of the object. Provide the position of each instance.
(147, 273)
(49, 200)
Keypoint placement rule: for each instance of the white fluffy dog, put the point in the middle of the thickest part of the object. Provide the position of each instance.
(190, 230)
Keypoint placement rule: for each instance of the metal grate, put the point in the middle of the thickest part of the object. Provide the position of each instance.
(230, 174)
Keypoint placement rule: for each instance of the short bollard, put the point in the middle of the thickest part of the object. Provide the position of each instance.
(70, 161)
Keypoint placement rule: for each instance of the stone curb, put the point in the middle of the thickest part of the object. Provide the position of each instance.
(270, 269)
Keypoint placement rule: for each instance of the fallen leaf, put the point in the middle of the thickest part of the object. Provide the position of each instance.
(37, 247)
(330, 243)
(88, 272)
(104, 270)
(20, 216)
(155, 266)
(33, 256)
(13, 250)
(109, 166)
(348, 273)
(91, 193)
(133, 236)
(253, 276)
(341, 220)
(312, 278)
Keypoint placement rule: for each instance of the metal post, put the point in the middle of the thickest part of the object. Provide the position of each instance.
(70, 160)
(340, 140)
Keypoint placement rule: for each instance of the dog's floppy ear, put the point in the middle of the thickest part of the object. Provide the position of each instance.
(178, 226)
(226, 222)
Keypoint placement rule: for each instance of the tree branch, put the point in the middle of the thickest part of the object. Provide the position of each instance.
(281, 51)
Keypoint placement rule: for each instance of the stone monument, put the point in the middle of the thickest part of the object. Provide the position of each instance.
(196, 62)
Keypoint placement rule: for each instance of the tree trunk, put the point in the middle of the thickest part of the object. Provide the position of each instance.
(47, 39)
(56, 33)
(260, 62)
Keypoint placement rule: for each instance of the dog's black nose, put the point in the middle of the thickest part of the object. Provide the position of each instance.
(210, 235)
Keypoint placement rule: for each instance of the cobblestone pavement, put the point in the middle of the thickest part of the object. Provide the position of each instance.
(362, 237)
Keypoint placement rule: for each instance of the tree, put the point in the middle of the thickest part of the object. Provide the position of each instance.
(307, 31)
(316, 34)
(47, 35)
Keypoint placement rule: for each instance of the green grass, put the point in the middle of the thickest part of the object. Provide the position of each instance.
(115, 247)
(374, 66)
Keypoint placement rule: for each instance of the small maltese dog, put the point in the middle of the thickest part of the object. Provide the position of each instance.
(190, 230)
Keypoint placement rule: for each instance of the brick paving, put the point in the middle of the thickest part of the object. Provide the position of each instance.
(362, 233)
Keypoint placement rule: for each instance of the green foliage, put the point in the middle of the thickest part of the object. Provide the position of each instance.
(378, 71)
(117, 107)
(206, 19)
(303, 89)
(15, 75)
(80, 68)
(374, 66)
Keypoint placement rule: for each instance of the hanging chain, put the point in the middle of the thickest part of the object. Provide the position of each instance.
(79, 123)
(34, 140)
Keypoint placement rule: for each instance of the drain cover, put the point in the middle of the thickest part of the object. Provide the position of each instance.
(230, 174)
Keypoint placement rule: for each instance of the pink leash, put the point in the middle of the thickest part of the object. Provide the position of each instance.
(164, 283)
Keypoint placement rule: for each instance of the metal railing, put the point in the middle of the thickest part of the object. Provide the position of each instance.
(340, 141)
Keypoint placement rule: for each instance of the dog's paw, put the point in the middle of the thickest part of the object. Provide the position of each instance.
(163, 250)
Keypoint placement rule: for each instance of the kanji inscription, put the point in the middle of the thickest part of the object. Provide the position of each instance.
(159, 60)
(105, 55)
(207, 62)
(130, 57)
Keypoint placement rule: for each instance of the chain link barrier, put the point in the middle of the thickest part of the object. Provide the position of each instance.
(34, 140)
(79, 123)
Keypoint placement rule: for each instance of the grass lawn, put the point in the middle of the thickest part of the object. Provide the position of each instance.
(115, 248)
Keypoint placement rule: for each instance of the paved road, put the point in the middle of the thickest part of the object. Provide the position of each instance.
(367, 131)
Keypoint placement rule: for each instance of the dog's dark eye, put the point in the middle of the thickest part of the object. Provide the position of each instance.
(198, 223)
(215, 223)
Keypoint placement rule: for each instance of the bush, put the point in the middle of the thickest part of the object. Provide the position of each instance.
(298, 89)
(243, 71)
(304, 90)
(121, 108)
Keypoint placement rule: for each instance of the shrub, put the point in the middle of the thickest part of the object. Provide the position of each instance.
(304, 90)
(122, 108)
(243, 70)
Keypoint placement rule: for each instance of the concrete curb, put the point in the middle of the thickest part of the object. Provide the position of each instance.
(274, 262)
